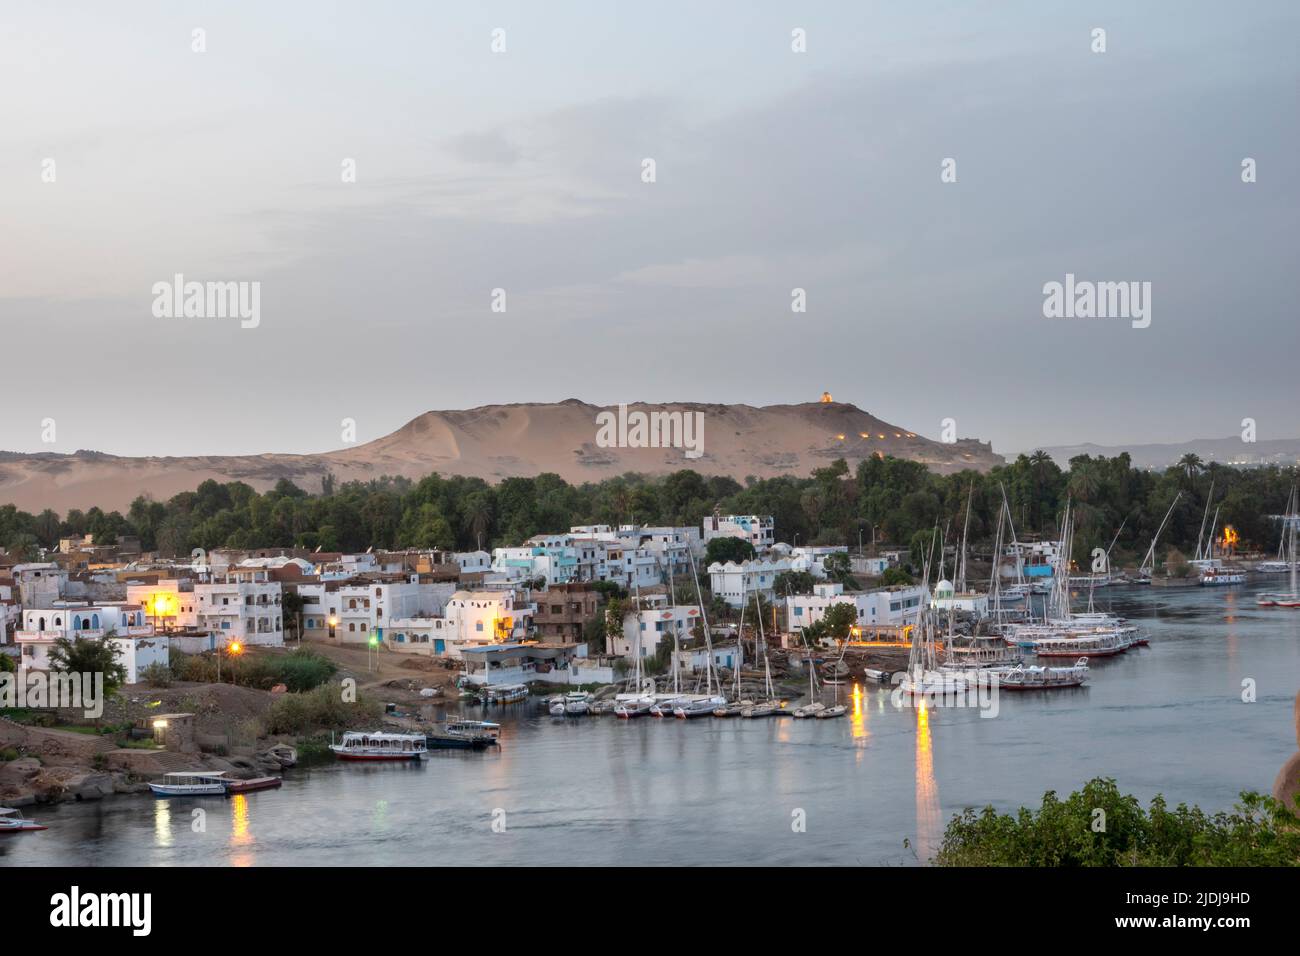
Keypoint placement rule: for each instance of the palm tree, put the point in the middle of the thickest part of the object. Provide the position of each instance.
(1191, 465)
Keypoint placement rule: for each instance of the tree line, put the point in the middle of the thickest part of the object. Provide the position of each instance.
(890, 501)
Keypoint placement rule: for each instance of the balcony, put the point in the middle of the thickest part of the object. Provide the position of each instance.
(36, 636)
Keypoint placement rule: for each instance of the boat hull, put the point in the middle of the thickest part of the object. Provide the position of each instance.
(199, 790)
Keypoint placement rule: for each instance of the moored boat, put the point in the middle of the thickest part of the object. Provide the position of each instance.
(380, 745)
(698, 707)
(253, 784)
(191, 783)
(836, 710)
(12, 821)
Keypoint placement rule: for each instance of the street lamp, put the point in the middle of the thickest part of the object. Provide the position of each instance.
(373, 642)
(334, 622)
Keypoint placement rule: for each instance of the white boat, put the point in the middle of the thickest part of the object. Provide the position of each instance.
(809, 710)
(12, 821)
(190, 783)
(380, 745)
(1036, 677)
(1288, 599)
(481, 727)
(835, 710)
(698, 706)
(766, 708)
(1219, 576)
(555, 706)
(577, 704)
(634, 707)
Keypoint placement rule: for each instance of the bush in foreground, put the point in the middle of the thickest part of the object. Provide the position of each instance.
(1099, 826)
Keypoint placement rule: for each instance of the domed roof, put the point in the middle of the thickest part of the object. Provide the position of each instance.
(943, 589)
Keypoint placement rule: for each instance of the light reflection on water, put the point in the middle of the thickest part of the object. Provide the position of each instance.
(1168, 718)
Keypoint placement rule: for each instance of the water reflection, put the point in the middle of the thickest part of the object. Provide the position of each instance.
(240, 836)
(162, 822)
(927, 792)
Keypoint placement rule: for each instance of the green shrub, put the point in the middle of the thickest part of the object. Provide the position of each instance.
(157, 675)
(322, 707)
(8, 754)
(1259, 832)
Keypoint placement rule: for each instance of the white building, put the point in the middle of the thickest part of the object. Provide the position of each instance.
(758, 530)
(468, 619)
(41, 627)
(575, 558)
(881, 607)
(645, 629)
(354, 611)
(737, 583)
(972, 602)
(244, 606)
(472, 562)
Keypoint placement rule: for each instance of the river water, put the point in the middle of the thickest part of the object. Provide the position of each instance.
(876, 788)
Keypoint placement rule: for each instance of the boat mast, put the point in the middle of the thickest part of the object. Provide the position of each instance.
(704, 616)
(1151, 551)
(1201, 536)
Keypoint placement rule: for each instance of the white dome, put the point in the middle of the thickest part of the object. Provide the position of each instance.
(943, 589)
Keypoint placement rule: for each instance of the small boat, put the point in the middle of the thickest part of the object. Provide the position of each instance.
(837, 710)
(664, 708)
(256, 783)
(733, 709)
(481, 727)
(286, 755)
(446, 739)
(809, 710)
(11, 821)
(767, 708)
(702, 707)
(191, 783)
(577, 704)
(379, 745)
(503, 694)
(637, 707)
(555, 706)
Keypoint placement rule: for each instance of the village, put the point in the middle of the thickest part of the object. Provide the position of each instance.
(571, 610)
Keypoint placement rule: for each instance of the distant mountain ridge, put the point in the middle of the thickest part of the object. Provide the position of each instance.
(1282, 451)
(501, 441)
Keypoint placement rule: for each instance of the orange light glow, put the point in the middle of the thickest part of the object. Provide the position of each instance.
(826, 398)
(235, 648)
(1230, 538)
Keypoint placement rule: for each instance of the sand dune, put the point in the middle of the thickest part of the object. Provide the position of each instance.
(500, 441)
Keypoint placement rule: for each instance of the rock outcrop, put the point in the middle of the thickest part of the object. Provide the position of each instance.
(1287, 785)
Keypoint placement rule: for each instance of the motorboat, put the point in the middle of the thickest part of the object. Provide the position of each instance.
(12, 821)
(379, 745)
(191, 783)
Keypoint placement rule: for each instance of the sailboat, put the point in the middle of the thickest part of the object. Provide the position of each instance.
(769, 706)
(1288, 599)
(637, 703)
(694, 705)
(1149, 559)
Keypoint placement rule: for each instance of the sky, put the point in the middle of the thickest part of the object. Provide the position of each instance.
(522, 170)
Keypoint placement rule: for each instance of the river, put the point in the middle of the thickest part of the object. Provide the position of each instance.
(1167, 719)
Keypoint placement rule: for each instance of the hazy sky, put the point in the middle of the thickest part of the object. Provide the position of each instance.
(522, 170)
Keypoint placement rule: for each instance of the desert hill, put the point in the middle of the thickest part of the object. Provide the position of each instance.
(501, 441)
